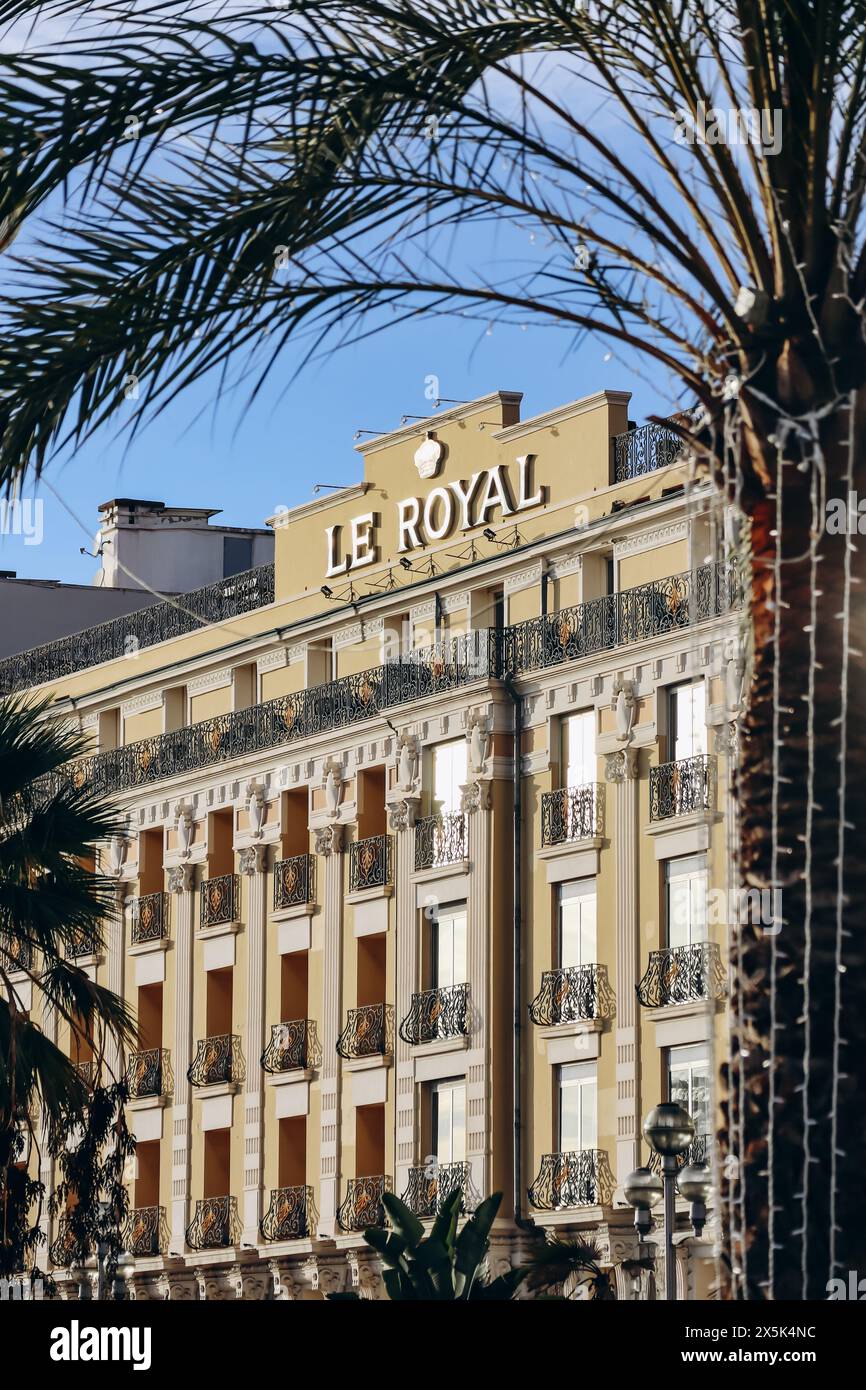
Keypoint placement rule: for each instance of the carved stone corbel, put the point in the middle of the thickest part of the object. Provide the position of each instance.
(475, 796)
(181, 878)
(402, 814)
(621, 766)
(253, 859)
(329, 839)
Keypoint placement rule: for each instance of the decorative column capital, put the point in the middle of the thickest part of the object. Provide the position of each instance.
(621, 766)
(330, 839)
(402, 813)
(181, 879)
(253, 859)
(475, 796)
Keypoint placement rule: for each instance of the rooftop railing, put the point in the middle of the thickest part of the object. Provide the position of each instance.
(145, 627)
(644, 450)
(633, 615)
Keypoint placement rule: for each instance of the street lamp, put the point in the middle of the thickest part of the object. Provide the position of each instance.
(669, 1130)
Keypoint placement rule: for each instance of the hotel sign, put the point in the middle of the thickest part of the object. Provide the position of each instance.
(458, 506)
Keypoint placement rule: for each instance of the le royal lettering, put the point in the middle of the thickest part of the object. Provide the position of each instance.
(461, 505)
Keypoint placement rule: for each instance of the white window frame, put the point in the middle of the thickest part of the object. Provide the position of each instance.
(686, 884)
(582, 1077)
(448, 1088)
(582, 891)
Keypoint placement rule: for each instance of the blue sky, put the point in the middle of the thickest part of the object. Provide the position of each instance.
(250, 461)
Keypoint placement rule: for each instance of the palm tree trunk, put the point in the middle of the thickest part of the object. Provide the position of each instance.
(794, 1177)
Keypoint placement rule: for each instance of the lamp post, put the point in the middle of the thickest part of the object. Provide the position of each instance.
(669, 1130)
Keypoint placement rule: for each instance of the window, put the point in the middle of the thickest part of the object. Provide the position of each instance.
(686, 907)
(237, 555)
(578, 749)
(576, 923)
(449, 775)
(689, 1084)
(688, 724)
(449, 1120)
(578, 1099)
(449, 947)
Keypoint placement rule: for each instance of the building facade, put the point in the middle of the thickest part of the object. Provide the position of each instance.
(426, 875)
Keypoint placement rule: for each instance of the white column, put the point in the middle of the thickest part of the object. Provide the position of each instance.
(329, 844)
(476, 805)
(181, 882)
(621, 770)
(116, 955)
(253, 863)
(402, 822)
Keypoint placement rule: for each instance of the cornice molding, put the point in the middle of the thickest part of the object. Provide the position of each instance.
(651, 540)
(139, 704)
(211, 680)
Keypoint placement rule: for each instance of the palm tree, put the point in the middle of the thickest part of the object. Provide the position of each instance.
(49, 900)
(683, 177)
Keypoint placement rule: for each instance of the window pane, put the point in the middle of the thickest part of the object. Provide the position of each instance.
(577, 924)
(449, 1121)
(688, 718)
(449, 948)
(686, 901)
(578, 753)
(449, 774)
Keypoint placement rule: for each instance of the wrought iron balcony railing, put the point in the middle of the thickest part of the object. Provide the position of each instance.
(616, 620)
(572, 994)
(370, 863)
(367, 1032)
(440, 840)
(683, 786)
(220, 900)
(572, 813)
(362, 1205)
(240, 593)
(149, 1073)
(87, 1072)
(65, 1249)
(644, 450)
(146, 1231)
(16, 953)
(437, 1013)
(431, 1183)
(682, 973)
(699, 1151)
(579, 1179)
(288, 1048)
(150, 917)
(633, 615)
(294, 882)
(83, 943)
(217, 1060)
(290, 1215)
(214, 1225)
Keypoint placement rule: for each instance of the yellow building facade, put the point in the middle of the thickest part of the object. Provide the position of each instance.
(426, 876)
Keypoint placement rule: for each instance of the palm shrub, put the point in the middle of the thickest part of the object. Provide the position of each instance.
(444, 1266)
(49, 899)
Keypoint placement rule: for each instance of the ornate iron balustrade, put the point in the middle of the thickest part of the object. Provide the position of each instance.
(83, 943)
(216, 1060)
(214, 1225)
(18, 952)
(145, 627)
(288, 1048)
(440, 840)
(699, 1151)
(632, 615)
(150, 917)
(436, 1013)
(370, 863)
(362, 1205)
(430, 1184)
(572, 813)
(149, 1073)
(294, 881)
(145, 1231)
(615, 620)
(87, 1072)
(220, 898)
(573, 993)
(681, 973)
(290, 1215)
(644, 450)
(686, 785)
(65, 1250)
(580, 1179)
(367, 1032)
